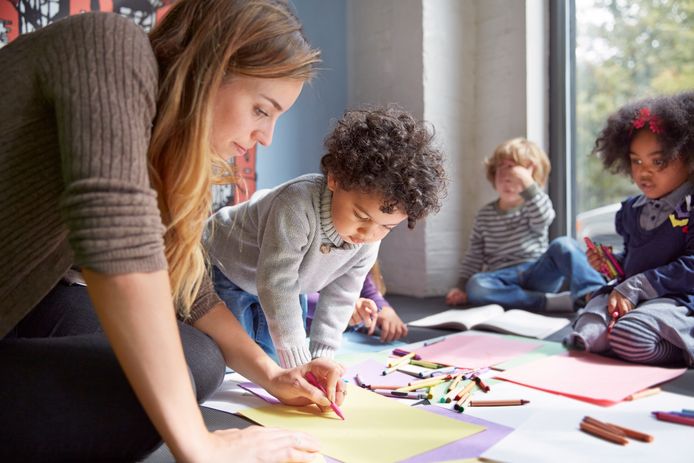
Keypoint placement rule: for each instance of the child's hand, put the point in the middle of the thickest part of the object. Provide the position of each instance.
(523, 175)
(391, 325)
(456, 296)
(618, 303)
(596, 260)
(365, 312)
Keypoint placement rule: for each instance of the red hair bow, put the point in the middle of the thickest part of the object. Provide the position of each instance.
(645, 117)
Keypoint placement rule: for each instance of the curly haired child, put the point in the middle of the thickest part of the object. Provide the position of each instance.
(508, 261)
(647, 316)
(322, 232)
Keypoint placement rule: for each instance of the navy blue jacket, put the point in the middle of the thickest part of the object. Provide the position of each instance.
(665, 255)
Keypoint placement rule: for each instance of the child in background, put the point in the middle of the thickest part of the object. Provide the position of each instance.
(648, 315)
(508, 261)
(371, 310)
(322, 232)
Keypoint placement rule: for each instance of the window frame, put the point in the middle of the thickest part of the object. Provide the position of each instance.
(562, 112)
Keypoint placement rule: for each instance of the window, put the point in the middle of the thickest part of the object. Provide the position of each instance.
(616, 51)
(625, 50)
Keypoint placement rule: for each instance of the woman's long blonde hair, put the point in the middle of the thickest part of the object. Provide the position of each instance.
(199, 45)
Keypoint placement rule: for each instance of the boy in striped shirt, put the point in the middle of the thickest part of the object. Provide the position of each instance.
(508, 261)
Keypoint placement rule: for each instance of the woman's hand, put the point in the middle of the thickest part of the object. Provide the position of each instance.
(456, 296)
(618, 303)
(391, 325)
(292, 388)
(256, 444)
(365, 312)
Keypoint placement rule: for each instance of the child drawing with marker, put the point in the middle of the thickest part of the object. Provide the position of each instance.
(321, 232)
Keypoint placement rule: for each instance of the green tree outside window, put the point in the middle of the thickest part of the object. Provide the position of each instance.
(625, 50)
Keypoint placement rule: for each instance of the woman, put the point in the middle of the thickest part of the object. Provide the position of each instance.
(109, 142)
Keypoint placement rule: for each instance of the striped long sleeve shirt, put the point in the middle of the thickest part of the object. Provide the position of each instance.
(503, 238)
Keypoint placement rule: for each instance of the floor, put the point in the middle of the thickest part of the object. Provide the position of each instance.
(409, 309)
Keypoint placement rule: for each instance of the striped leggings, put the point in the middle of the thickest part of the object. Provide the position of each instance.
(633, 339)
(647, 335)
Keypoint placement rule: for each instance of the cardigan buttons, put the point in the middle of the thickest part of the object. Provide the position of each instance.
(325, 248)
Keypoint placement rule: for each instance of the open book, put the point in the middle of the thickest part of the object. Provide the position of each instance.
(493, 317)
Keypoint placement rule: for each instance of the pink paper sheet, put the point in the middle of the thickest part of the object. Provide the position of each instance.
(475, 351)
(593, 378)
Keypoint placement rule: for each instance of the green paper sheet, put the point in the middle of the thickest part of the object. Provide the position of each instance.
(376, 429)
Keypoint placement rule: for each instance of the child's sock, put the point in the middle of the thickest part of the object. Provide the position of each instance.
(590, 334)
(575, 341)
(559, 302)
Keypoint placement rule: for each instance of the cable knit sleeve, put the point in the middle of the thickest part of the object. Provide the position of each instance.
(101, 79)
(336, 304)
(284, 240)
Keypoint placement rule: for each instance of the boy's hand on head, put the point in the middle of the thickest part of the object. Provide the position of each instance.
(291, 387)
(524, 175)
(620, 304)
(456, 296)
(365, 312)
(391, 325)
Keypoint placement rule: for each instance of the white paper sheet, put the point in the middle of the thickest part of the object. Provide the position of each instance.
(231, 398)
(554, 435)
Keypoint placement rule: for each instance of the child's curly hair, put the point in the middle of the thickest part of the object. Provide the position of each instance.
(385, 150)
(670, 117)
(522, 152)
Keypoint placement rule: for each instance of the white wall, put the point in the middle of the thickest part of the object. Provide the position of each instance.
(462, 65)
(450, 73)
(385, 66)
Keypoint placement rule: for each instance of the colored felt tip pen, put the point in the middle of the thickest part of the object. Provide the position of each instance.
(481, 384)
(311, 378)
(613, 321)
(644, 393)
(613, 260)
(672, 418)
(400, 353)
(498, 403)
(431, 343)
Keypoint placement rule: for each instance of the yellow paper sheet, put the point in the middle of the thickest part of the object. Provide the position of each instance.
(376, 428)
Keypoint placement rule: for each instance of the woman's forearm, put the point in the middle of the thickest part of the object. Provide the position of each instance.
(137, 314)
(240, 351)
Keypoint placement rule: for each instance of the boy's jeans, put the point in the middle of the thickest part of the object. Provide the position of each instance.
(524, 286)
(246, 308)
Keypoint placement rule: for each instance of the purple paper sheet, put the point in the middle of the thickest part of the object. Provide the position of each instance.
(260, 392)
(469, 447)
(371, 372)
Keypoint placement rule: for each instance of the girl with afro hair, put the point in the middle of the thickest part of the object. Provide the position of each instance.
(647, 314)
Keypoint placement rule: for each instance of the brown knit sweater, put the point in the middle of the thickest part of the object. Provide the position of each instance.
(78, 101)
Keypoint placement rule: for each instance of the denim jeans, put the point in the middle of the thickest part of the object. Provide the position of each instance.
(524, 286)
(247, 309)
